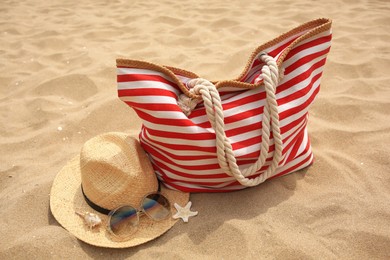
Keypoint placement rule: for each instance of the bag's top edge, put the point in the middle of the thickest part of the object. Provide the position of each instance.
(315, 26)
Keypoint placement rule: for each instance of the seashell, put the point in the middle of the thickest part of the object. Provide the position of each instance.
(91, 220)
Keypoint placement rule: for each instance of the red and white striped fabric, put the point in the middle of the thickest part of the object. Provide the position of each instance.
(183, 148)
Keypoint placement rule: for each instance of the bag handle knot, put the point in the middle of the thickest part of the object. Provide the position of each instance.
(270, 122)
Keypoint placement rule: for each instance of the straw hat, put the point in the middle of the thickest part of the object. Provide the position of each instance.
(113, 170)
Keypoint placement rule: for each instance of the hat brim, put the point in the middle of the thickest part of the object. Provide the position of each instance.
(66, 199)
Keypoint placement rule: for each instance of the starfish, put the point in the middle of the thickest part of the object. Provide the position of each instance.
(184, 212)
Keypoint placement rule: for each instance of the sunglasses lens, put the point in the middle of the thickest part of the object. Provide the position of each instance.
(156, 206)
(123, 221)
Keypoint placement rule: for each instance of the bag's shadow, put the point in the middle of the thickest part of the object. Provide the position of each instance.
(218, 208)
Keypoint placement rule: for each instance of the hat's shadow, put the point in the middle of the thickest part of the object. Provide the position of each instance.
(218, 210)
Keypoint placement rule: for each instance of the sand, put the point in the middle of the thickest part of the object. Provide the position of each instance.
(58, 89)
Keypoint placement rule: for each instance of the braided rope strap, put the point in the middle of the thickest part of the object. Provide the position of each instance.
(214, 110)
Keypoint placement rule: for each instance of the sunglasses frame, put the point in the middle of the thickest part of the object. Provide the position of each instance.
(139, 212)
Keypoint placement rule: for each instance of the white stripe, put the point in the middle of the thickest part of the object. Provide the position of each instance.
(289, 136)
(177, 129)
(234, 139)
(304, 142)
(149, 99)
(179, 141)
(288, 152)
(222, 185)
(299, 101)
(276, 46)
(146, 84)
(306, 52)
(164, 114)
(164, 149)
(256, 71)
(313, 38)
(130, 71)
(299, 70)
(303, 84)
(183, 163)
(233, 112)
(197, 174)
(296, 161)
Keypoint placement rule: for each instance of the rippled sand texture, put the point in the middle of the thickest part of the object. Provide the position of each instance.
(58, 89)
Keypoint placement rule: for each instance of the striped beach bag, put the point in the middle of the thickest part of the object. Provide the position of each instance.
(216, 136)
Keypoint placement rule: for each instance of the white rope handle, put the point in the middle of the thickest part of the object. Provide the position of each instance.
(225, 153)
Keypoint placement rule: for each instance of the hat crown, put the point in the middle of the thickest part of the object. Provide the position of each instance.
(116, 171)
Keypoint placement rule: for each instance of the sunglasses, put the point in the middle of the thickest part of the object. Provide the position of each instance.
(123, 221)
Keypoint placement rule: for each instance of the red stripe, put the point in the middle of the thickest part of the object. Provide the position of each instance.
(202, 167)
(301, 107)
(301, 77)
(183, 147)
(289, 126)
(182, 136)
(278, 50)
(146, 92)
(170, 180)
(260, 96)
(297, 143)
(256, 96)
(295, 50)
(212, 189)
(292, 138)
(238, 145)
(305, 60)
(315, 42)
(165, 121)
(301, 93)
(234, 118)
(155, 107)
(272, 53)
(243, 129)
(211, 136)
(186, 175)
(295, 166)
(147, 147)
(233, 104)
(259, 110)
